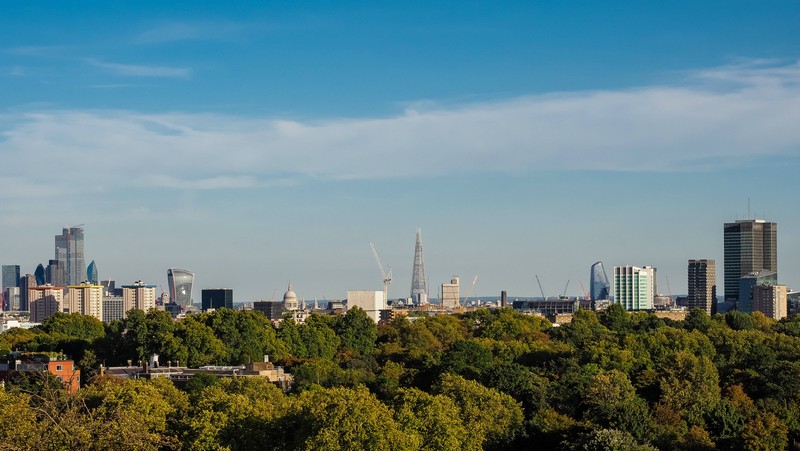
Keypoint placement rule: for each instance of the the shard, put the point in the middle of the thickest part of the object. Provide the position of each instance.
(598, 283)
(419, 290)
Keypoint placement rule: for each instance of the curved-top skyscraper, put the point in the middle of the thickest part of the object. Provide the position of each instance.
(598, 283)
(180, 286)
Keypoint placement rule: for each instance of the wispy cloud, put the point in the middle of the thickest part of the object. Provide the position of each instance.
(657, 128)
(133, 70)
(37, 50)
(17, 71)
(190, 31)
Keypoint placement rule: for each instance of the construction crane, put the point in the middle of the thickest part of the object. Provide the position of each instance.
(469, 293)
(387, 275)
(669, 290)
(544, 298)
(564, 294)
(583, 290)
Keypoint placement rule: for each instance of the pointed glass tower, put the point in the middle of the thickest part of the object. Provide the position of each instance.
(598, 282)
(91, 273)
(419, 290)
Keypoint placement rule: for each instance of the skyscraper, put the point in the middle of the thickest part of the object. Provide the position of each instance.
(634, 287)
(69, 253)
(419, 289)
(216, 298)
(180, 286)
(750, 245)
(91, 274)
(40, 275)
(25, 282)
(702, 285)
(598, 283)
(10, 276)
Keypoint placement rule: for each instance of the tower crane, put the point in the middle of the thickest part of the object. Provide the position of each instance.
(387, 275)
(540, 288)
(474, 281)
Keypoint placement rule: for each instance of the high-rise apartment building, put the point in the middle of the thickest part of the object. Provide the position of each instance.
(750, 245)
(451, 294)
(217, 298)
(634, 288)
(598, 283)
(69, 253)
(770, 300)
(113, 308)
(419, 287)
(702, 277)
(138, 296)
(86, 299)
(44, 301)
(748, 282)
(180, 286)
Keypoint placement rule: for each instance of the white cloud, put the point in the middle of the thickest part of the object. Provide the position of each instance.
(189, 31)
(752, 114)
(141, 70)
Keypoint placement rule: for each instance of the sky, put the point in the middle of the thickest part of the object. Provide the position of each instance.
(262, 143)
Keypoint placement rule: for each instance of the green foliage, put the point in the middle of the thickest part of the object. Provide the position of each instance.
(467, 358)
(434, 418)
(357, 331)
(74, 325)
(737, 320)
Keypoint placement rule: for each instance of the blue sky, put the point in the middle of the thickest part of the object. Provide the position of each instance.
(258, 142)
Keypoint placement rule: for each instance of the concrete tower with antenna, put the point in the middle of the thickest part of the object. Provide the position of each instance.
(419, 289)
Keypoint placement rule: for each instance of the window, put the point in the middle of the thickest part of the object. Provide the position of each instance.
(59, 368)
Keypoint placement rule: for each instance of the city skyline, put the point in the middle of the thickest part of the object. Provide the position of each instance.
(260, 144)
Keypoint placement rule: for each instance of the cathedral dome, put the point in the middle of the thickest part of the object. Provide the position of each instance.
(290, 299)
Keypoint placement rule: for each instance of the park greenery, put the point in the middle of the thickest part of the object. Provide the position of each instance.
(488, 379)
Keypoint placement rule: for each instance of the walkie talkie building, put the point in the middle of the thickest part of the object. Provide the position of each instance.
(180, 286)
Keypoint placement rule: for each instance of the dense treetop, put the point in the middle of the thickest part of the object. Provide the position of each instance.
(482, 380)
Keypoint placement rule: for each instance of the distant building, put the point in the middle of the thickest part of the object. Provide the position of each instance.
(599, 287)
(702, 276)
(451, 294)
(139, 296)
(44, 301)
(56, 273)
(371, 302)
(290, 299)
(69, 253)
(272, 309)
(750, 245)
(419, 287)
(547, 308)
(180, 286)
(217, 298)
(746, 284)
(86, 299)
(173, 309)
(634, 288)
(40, 274)
(10, 276)
(113, 308)
(770, 300)
(25, 282)
(11, 295)
(91, 274)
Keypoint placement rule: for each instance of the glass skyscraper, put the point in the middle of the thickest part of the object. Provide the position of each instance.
(180, 286)
(69, 253)
(598, 283)
(750, 245)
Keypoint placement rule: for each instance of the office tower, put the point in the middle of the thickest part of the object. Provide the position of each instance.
(746, 284)
(371, 302)
(770, 300)
(11, 299)
(450, 294)
(44, 301)
(86, 299)
(10, 276)
(598, 283)
(180, 286)
(138, 296)
(271, 309)
(290, 299)
(69, 253)
(91, 274)
(40, 274)
(633, 287)
(702, 285)
(419, 289)
(55, 274)
(217, 298)
(750, 245)
(26, 282)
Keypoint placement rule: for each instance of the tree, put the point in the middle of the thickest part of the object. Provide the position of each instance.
(612, 402)
(340, 419)
(74, 325)
(690, 385)
(467, 358)
(434, 418)
(492, 419)
(697, 319)
(357, 331)
(202, 346)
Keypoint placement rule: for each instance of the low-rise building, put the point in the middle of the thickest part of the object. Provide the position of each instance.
(16, 364)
